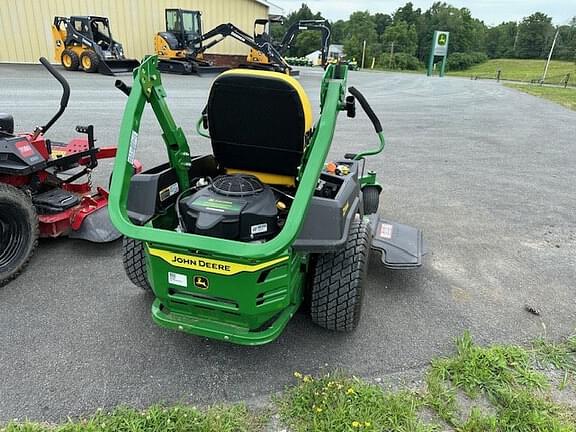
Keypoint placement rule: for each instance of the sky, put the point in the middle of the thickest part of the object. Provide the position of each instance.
(492, 12)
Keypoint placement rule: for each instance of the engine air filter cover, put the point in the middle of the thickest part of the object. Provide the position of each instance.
(237, 185)
(234, 207)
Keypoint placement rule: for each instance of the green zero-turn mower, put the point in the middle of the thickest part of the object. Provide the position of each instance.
(233, 243)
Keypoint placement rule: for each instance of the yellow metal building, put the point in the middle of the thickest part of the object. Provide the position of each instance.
(25, 24)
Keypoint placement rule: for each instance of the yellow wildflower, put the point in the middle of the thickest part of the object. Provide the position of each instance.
(307, 378)
(319, 409)
(350, 391)
(367, 424)
(297, 375)
(356, 424)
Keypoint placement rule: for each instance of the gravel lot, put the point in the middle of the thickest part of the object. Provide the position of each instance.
(488, 173)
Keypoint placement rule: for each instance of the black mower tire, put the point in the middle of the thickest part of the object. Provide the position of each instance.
(92, 60)
(74, 60)
(134, 261)
(19, 232)
(371, 199)
(338, 281)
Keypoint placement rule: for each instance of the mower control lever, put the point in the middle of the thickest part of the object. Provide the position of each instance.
(367, 108)
(375, 121)
(123, 87)
(63, 100)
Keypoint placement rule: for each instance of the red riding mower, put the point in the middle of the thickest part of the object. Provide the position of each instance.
(46, 189)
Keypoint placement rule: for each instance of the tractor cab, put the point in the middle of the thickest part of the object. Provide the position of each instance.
(182, 28)
(97, 29)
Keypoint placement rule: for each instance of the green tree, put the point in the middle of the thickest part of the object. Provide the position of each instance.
(382, 22)
(361, 27)
(535, 35)
(566, 43)
(402, 36)
(339, 31)
(467, 34)
(500, 40)
(408, 14)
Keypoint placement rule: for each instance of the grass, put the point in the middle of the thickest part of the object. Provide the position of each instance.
(505, 385)
(236, 418)
(521, 70)
(339, 403)
(506, 376)
(563, 96)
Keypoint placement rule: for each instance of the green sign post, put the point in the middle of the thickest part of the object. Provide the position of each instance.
(439, 49)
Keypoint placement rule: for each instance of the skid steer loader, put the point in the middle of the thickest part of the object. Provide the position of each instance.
(86, 42)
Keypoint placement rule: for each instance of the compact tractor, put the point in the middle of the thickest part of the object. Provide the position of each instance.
(233, 243)
(85, 42)
(46, 189)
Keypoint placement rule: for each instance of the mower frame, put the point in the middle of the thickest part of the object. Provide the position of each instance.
(166, 249)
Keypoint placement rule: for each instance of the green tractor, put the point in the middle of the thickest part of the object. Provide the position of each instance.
(233, 243)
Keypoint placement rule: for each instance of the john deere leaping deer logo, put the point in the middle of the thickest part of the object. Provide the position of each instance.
(201, 282)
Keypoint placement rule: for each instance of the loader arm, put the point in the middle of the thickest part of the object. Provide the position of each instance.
(229, 29)
(305, 25)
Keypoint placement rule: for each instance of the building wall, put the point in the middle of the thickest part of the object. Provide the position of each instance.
(25, 24)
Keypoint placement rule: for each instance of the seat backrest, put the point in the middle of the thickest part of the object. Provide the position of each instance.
(258, 121)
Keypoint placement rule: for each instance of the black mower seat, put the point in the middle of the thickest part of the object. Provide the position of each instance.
(259, 123)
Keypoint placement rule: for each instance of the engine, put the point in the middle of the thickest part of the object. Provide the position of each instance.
(234, 207)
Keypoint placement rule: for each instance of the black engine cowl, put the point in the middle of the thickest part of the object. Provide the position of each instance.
(234, 207)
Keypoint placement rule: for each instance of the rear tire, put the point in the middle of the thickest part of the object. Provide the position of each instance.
(70, 60)
(134, 261)
(371, 199)
(338, 279)
(89, 61)
(18, 232)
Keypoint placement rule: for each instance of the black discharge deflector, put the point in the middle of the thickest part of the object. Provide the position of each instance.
(402, 246)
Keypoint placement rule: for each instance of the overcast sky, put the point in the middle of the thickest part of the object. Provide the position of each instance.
(492, 12)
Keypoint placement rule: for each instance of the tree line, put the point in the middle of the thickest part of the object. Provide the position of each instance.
(402, 39)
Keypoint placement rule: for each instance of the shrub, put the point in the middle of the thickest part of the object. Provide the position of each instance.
(399, 61)
(461, 61)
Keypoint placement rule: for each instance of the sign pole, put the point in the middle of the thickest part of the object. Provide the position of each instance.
(431, 58)
(443, 67)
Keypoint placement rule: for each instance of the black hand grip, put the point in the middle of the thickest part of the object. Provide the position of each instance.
(63, 100)
(61, 80)
(367, 108)
(123, 87)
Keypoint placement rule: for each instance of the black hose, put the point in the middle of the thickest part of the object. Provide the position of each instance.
(367, 108)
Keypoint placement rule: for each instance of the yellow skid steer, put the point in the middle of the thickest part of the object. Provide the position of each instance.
(85, 42)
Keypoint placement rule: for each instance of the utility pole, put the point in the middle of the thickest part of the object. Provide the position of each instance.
(516, 38)
(550, 55)
(391, 55)
(363, 54)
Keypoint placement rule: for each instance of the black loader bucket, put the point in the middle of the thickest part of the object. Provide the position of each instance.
(190, 67)
(113, 67)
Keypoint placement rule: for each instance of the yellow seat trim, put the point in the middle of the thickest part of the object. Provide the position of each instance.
(306, 105)
(267, 178)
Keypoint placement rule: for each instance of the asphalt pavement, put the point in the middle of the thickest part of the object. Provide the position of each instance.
(487, 172)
